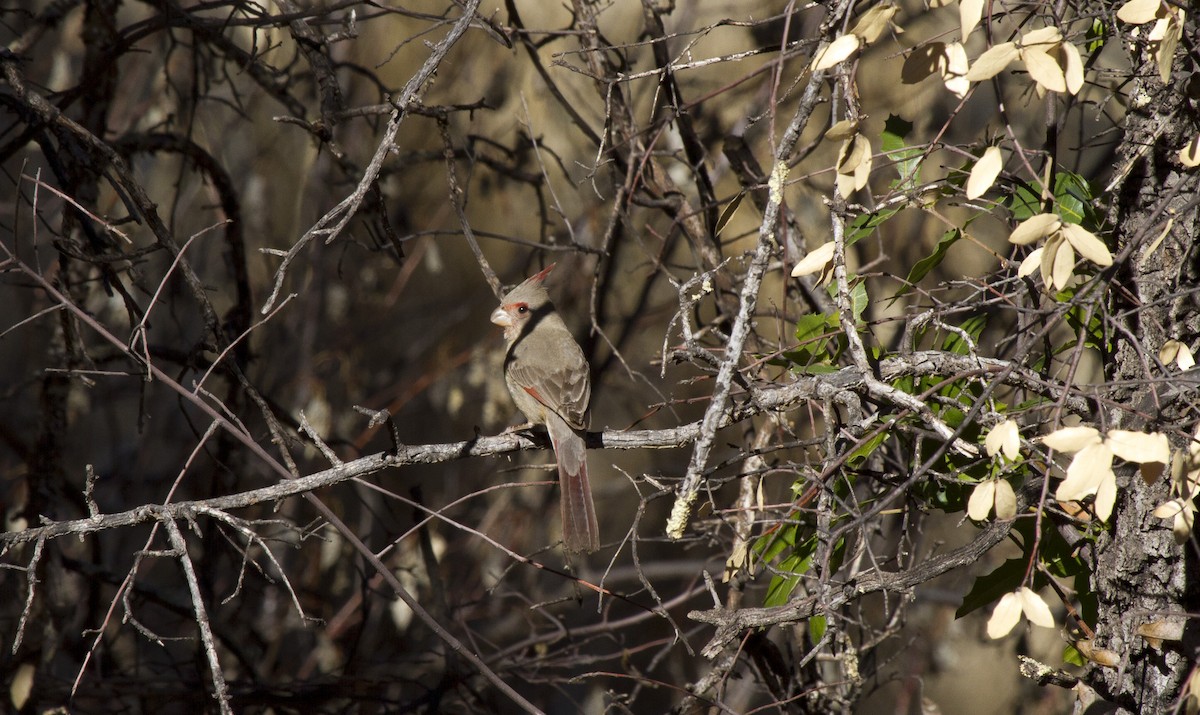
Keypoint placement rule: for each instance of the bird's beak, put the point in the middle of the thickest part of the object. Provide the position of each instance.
(502, 318)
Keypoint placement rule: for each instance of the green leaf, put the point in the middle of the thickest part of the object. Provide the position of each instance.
(815, 338)
(933, 260)
(860, 454)
(864, 225)
(1093, 333)
(1074, 200)
(816, 628)
(772, 544)
(973, 327)
(858, 296)
(1072, 656)
(1096, 35)
(789, 572)
(906, 158)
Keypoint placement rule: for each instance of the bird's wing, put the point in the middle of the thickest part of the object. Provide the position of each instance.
(563, 389)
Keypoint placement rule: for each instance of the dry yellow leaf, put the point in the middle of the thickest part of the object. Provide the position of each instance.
(1043, 69)
(1006, 500)
(842, 130)
(1086, 244)
(1189, 155)
(1088, 471)
(1035, 608)
(1031, 263)
(983, 497)
(1044, 36)
(1071, 439)
(1035, 228)
(835, 52)
(1164, 52)
(970, 12)
(1063, 261)
(1137, 12)
(1004, 438)
(954, 72)
(992, 62)
(1005, 616)
(1173, 351)
(1072, 67)
(1140, 447)
(815, 261)
(984, 173)
(873, 22)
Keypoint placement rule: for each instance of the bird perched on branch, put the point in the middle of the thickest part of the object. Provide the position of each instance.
(548, 377)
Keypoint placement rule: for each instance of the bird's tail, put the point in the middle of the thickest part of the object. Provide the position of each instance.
(581, 531)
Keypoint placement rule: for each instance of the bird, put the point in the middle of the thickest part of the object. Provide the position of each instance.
(547, 375)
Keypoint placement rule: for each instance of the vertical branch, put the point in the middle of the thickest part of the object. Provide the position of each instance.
(682, 508)
(220, 689)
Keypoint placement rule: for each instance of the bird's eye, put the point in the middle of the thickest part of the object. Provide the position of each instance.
(522, 309)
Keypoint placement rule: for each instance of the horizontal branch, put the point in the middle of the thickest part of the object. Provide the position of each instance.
(780, 397)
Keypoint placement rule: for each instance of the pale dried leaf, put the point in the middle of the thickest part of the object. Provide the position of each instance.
(1049, 252)
(1137, 12)
(1035, 608)
(1064, 263)
(1099, 656)
(22, 685)
(1035, 228)
(1006, 501)
(835, 52)
(852, 154)
(1072, 439)
(1043, 37)
(1182, 527)
(923, 61)
(1140, 447)
(1159, 31)
(983, 496)
(1044, 69)
(845, 185)
(1166, 231)
(1169, 509)
(842, 130)
(970, 12)
(1031, 262)
(1072, 67)
(954, 74)
(992, 62)
(1189, 155)
(984, 173)
(1169, 352)
(1106, 496)
(1004, 438)
(1164, 53)
(1086, 243)
(1086, 474)
(873, 22)
(1161, 629)
(815, 261)
(1005, 616)
(863, 172)
(1184, 359)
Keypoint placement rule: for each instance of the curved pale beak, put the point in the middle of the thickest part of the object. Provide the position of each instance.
(501, 317)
